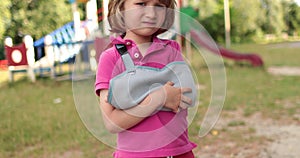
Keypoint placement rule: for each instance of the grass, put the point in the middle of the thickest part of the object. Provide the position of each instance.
(34, 123)
(257, 90)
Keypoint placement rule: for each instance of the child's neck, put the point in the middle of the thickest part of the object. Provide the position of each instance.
(137, 38)
(143, 42)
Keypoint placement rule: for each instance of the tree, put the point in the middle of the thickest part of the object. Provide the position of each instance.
(246, 19)
(208, 8)
(274, 23)
(250, 20)
(37, 17)
(5, 17)
(49, 16)
(292, 17)
(212, 18)
(4, 22)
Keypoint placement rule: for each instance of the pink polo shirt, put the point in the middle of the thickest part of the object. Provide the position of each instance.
(161, 134)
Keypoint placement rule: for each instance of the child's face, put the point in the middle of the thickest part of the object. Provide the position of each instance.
(144, 17)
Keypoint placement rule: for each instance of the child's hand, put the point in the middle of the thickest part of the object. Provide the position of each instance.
(174, 98)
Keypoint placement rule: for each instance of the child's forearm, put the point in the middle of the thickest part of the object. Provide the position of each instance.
(117, 120)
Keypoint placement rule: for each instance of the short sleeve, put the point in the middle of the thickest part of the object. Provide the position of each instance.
(104, 71)
(177, 53)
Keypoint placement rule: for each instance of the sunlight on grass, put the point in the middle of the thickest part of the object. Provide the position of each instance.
(4, 77)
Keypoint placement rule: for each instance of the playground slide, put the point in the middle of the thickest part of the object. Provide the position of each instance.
(199, 38)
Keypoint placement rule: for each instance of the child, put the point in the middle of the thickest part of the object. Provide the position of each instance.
(143, 130)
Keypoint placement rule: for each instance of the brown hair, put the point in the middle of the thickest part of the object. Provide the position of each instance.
(116, 21)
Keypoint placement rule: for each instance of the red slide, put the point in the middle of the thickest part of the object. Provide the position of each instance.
(199, 38)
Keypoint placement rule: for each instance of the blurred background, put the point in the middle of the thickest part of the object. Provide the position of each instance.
(259, 41)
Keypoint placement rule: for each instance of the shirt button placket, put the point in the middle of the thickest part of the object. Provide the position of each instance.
(128, 43)
(136, 55)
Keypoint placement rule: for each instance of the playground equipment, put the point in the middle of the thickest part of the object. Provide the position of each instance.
(65, 43)
(59, 46)
(20, 58)
(3, 64)
(49, 53)
(254, 59)
(186, 27)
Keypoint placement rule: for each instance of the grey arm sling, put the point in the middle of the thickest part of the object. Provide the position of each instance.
(129, 88)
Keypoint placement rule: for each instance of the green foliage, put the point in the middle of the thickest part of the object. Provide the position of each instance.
(292, 18)
(4, 22)
(5, 17)
(34, 17)
(214, 24)
(208, 8)
(53, 15)
(37, 17)
(2, 56)
(245, 19)
(212, 18)
(250, 20)
(274, 23)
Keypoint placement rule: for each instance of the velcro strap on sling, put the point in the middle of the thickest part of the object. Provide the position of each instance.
(121, 49)
(125, 57)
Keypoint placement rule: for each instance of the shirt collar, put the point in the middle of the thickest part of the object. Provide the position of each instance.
(120, 40)
(157, 44)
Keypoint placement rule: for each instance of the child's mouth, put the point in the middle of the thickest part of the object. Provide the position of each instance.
(152, 24)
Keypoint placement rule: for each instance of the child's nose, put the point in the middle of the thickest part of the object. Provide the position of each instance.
(150, 12)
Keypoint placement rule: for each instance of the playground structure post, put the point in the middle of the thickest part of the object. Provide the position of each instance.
(28, 40)
(20, 58)
(105, 23)
(177, 22)
(91, 16)
(9, 42)
(227, 23)
(91, 13)
(76, 19)
(188, 46)
(49, 54)
(187, 35)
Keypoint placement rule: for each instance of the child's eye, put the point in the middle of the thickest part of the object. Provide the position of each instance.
(141, 4)
(160, 5)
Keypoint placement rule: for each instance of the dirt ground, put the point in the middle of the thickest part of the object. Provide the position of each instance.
(256, 137)
(284, 70)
